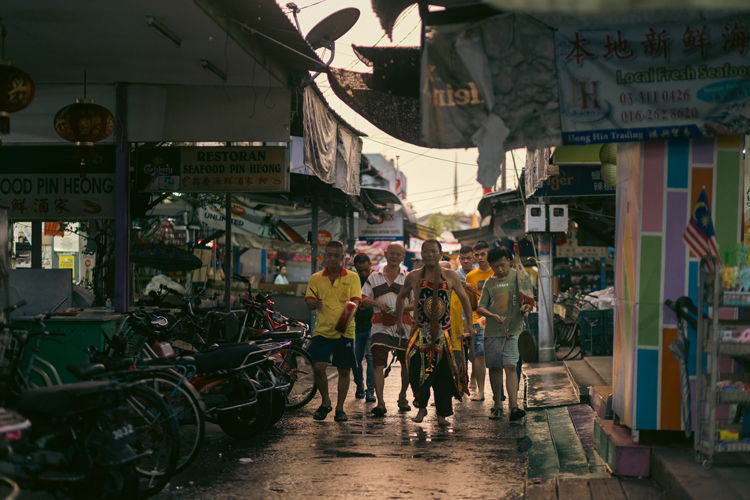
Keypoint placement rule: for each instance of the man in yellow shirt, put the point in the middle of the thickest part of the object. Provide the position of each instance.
(477, 277)
(328, 291)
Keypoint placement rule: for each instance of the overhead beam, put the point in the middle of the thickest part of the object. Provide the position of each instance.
(244, 40)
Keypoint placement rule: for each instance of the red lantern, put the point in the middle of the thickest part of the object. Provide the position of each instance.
(16, 92)
(84, 123)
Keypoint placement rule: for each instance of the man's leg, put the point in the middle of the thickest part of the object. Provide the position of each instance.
(511, 385)
(496, 382)
(443, 391)
(321, 382)
(369, 393)
(379, 360)
(479, 366)
(360, 343)
(343, 388)
(421, 393)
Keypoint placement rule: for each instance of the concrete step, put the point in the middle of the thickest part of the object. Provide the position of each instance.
(594, 489)
(600, 399)
(615, 445)
(602, 365)
(675, 469)
(560, 444)
(583, 420)
(547, 385)
(582, 376)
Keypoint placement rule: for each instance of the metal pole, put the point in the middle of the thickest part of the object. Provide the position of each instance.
(228, 255)
(352, 236)
(546, 311)
(122, 201)
(36, 244)
(314, 236)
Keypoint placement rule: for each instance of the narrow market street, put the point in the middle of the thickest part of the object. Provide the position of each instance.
(366, 457)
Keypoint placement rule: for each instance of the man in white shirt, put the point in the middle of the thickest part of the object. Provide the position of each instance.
(380, 292)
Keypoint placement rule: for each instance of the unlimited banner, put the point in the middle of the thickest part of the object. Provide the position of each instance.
(262, 169)
(660, 81)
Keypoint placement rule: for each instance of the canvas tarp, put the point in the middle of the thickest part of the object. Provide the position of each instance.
(493, 85)
(331, 150)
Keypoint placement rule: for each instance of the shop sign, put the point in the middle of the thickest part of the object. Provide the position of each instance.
(67, 262)
(324, 238)
(654, 81)
(389, 227)
(256, 169)
(68, 242)
(570, 248)
(46, 183)
(576, 180)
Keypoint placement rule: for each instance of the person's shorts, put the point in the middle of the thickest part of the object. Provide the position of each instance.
(476, 345)
(380, 355)
(501, 351)
(321, 348)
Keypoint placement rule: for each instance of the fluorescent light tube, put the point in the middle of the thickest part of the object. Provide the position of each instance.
(160, 28)
(213, 69)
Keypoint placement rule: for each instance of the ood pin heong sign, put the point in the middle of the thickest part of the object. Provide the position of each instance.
(224, 169)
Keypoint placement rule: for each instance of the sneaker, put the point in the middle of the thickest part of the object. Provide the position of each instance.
(516, 414)
(370, 397)
(360, 392)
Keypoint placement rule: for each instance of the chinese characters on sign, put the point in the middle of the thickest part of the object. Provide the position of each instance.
(62, 196)
(575, 180)
(244, 169)
(632, 83)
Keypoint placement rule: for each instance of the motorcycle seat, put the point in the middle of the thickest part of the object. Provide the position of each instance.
(68, 398)
(85, 371)
(227, 358)
(281, 336)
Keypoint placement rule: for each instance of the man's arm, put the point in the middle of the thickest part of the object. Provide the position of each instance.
(403, 294)
(368, 302)
(455, 282)
(487, 314)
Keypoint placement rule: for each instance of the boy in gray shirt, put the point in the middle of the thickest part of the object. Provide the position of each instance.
(501, 306)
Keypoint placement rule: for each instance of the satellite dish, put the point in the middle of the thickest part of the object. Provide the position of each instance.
(332, 28)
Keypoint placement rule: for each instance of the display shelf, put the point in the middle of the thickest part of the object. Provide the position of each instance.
(710, 395)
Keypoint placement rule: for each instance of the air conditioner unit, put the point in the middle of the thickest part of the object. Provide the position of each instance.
(536, 219)
(558, 218)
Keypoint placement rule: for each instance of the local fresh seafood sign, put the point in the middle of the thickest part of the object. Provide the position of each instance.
(660, 81)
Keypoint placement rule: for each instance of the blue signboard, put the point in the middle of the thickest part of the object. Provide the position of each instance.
(576, 180)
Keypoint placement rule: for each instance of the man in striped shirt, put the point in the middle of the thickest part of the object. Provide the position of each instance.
(380, 292)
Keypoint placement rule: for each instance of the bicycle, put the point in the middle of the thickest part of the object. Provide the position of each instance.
(158, 437)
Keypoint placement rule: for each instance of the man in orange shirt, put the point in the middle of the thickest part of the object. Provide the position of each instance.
(477, 277)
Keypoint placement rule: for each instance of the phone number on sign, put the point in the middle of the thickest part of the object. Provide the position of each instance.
(653, 97)
(658, 115)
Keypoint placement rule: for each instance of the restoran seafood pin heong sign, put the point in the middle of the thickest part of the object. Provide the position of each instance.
(657, 81)
(209, 169)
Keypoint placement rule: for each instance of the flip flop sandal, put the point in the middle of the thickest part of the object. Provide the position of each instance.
(403, 405)
(340, 416)
(495, 414)
(322, 412)
(379, 412)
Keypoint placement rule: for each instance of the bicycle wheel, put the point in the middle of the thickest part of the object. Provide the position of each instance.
(186, 410)
(299, 368)
(9, 490)
(157, 439)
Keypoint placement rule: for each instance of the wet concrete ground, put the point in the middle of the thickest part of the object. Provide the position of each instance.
(366, 457)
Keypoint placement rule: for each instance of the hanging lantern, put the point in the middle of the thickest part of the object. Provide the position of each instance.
(608, 157)
(609, 174)
(16, 92)
(83, 124)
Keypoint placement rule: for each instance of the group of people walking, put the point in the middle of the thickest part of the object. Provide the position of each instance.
(433, 320)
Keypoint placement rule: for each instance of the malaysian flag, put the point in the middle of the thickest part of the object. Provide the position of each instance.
(699, 233)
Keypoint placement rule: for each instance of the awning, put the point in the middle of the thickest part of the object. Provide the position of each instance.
(491, 199)
(470, 236)
(257, 242)
(379, 196)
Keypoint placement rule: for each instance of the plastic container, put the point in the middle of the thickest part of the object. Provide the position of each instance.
(108, 305)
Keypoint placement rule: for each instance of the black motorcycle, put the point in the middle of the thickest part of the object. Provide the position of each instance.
(102, 440)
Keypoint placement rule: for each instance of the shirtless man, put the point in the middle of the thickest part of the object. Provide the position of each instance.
(429, 353)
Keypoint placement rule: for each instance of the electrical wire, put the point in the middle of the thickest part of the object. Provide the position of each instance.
(414, 153)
